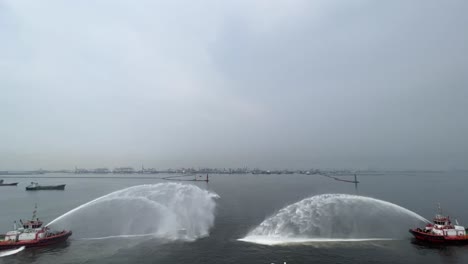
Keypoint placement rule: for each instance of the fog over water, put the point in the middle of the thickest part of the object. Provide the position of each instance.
(277, 84)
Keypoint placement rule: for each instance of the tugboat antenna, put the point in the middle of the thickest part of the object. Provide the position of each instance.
(34, 212)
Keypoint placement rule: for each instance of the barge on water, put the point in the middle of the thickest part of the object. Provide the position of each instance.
(34, 186)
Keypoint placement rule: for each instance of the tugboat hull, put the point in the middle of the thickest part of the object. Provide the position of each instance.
(58, 238)
(438, 239)
(9, 184)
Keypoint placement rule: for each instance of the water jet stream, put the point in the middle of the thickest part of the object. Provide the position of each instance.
(335, 217)
(158, 210)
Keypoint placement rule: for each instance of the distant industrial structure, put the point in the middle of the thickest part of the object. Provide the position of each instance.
(184, 171)
(124, 170)
(23, 172)
(143, 170)
(118, 170)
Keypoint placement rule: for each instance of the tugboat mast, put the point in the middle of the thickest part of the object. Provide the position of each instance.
(34, 212)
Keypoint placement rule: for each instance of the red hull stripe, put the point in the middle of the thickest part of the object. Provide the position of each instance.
(438, 238)
(36, 243)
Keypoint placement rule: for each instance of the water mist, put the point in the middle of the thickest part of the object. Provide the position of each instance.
(165, 210)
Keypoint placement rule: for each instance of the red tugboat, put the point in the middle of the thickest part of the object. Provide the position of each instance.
(441, 231)
(32, 234)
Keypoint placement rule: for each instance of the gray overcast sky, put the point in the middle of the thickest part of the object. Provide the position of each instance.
(279, 84)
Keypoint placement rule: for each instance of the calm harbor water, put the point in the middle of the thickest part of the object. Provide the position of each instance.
(244, 202)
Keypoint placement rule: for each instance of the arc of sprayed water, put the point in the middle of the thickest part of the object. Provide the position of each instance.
(109, 195)
(126, 190)
(76, 209)
(362, 198)
(407, 211)
(271, 229)
(168, 212)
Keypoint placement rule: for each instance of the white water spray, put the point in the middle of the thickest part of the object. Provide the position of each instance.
(335, 217)
(165, 210)
(5, 253)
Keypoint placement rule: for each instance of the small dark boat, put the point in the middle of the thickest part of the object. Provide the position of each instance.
(36, 187)
(8, 184)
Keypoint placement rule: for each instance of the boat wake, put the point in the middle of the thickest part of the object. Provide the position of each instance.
(335, 218)
(5, 253)
(271, 241)
(117, 237)
(158, 210)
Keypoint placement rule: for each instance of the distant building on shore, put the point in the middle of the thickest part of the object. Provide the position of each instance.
(124, 170)
(101, 171)
(147, 170)
(81, 171)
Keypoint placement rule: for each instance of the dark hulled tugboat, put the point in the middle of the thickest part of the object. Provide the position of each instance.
(441, 231)
(32, 234)
(34, 186)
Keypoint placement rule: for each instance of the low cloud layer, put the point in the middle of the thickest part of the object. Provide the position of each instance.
(279, 84)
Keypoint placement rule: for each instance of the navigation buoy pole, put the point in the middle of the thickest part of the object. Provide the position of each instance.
(356, 184)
